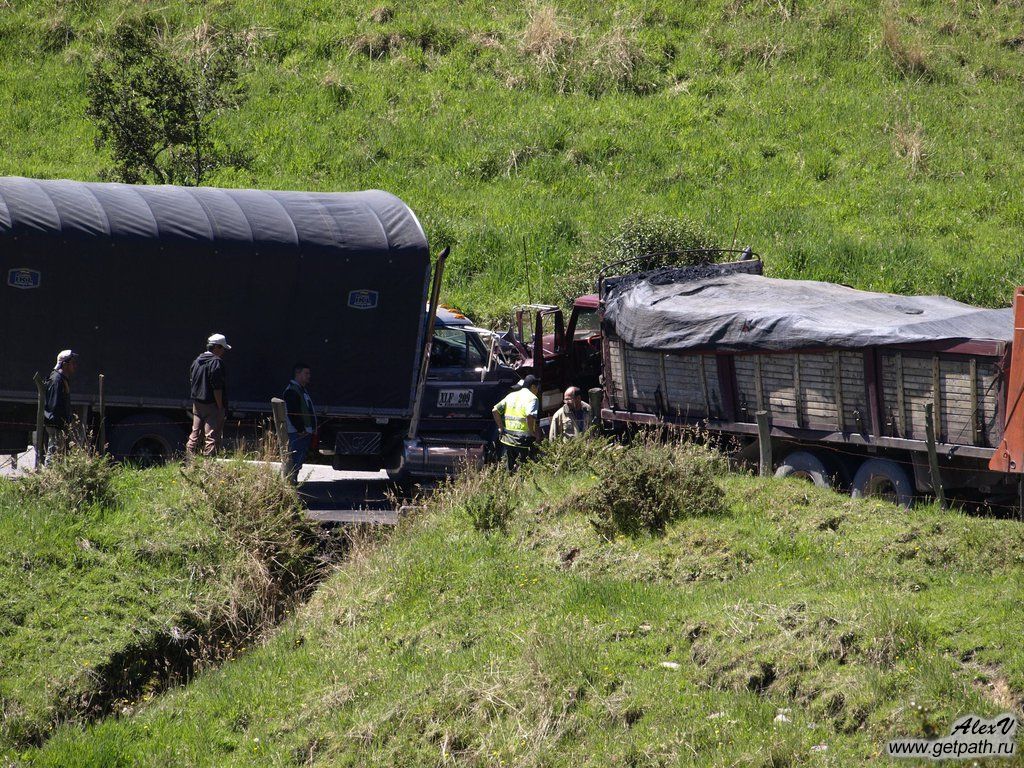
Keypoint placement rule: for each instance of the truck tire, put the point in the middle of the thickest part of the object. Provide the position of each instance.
(806, 466)
(146, 439)
(884, 479)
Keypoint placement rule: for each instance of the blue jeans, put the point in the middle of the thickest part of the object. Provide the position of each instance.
(298, 446)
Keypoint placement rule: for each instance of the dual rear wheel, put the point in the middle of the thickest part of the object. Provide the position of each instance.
(876, 478)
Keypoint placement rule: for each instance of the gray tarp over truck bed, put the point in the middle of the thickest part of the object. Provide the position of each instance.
(136, 277)
(680, 309)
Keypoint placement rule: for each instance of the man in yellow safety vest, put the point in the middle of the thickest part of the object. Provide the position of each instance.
(518, 420)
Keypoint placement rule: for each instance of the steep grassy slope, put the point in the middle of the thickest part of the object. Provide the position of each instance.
(105, 600)
(795, 627)
(873, 143)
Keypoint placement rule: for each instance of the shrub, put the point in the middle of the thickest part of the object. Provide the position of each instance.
(649, 486)
(655, 238)
(75, 479)
(490, 498)
(156, 103)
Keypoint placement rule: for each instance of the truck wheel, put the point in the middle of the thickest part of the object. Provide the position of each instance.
(883, 479)
(145, 439)
(806, 466)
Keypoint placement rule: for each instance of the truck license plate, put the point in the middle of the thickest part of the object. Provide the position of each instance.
(455, 398)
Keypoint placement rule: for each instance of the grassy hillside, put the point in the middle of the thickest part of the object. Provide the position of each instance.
(786, 627)
(875, 143)
(115, 582)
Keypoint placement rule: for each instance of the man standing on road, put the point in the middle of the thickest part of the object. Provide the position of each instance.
(57, 414)
(300, 417)
(573, 418)
(209, 397)
(517, 417)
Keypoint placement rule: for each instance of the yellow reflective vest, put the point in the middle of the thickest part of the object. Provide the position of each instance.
(514, 408)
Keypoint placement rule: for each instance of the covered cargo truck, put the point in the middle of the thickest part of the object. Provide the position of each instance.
(844, 376)
(134, 279)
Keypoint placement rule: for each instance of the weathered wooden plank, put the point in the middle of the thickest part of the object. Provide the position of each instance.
(712, 383)
(819, 399)
(759, 383)
(704, 386)
(617, 374)
(901, 402)
(663, 381)
(990, 427)
(625, 376)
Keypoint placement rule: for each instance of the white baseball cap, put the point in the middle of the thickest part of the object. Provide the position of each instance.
(65, 354)
(218, 340)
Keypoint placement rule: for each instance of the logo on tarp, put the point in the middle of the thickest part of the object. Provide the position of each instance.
(363, 299)
(24, 278)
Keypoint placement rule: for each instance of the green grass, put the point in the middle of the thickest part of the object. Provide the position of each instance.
(452, 646)
(870, 143)
(102, 604)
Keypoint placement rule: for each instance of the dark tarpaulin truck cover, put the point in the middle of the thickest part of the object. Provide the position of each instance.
(134, 278)
(709, 308)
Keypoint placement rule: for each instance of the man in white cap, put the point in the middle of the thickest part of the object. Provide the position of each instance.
(209, 397)
(58, 415)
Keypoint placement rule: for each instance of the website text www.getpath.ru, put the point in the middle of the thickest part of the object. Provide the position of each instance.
(970, 737)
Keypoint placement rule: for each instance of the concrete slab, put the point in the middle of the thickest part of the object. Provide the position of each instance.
(370, 516)
(14, 466)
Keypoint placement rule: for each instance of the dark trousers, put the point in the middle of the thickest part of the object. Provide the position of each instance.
(517, 454)
(298, 447)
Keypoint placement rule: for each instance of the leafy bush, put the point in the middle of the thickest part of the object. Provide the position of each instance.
(156, 102)
(490, 498)
(75, 479)
(658, 238)
(649, 486)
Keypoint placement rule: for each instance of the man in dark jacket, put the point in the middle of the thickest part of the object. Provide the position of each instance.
(209, 397)
(301, 417)
(58, 415)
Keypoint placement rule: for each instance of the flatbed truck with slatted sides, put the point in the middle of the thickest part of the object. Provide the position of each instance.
(846, 378)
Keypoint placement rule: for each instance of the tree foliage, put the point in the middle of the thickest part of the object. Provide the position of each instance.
(156, 101)
(657, 239)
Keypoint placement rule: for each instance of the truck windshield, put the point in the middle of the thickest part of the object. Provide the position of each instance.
(454, 348)
(587, 324)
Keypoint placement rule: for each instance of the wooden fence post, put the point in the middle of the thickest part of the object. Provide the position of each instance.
(933, 455)
(281, 428)
(102, 446)
(40, 417)
(764, 443)
(596, 397)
